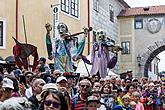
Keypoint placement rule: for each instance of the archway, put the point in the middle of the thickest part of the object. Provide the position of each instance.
(150, 54)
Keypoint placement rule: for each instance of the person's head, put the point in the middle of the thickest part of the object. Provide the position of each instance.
(120, 92)
(129, 73)
(123, 82)
(92, 103)
(130, 88)
(62, 81)
(85, 86)
(54, 100)
(96, 93)
(133, 105)
(96, 85)
(136, 96)
(29, 76)
(113, 79)
(128, 81)
(95, 78)
(107, 80)
(151, 86)
(106, 89)
(126, 100)
(7, 85)
(135, 81)
(70, 78)
(56, 74)
(144, 80)
(42, 61)
(37, 86)
(118, 81)
(16, 103)
(17, 73)
(102, 81)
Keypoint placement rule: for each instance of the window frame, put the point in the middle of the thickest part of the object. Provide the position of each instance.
(123, 52)
(3, 46)
(73, 8)
(139, 21)
(111, 13)
(65, 5)
(96, 5)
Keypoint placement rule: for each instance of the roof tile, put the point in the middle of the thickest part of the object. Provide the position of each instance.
(152, 10)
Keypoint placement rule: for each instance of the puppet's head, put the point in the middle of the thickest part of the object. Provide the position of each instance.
(100, 35)
(162, 76)
(62, 28)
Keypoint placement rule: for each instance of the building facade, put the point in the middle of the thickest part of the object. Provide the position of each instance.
(36, 14)
(104, 16)
(141, 32)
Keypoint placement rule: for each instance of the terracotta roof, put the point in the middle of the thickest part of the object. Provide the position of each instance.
(152, 10)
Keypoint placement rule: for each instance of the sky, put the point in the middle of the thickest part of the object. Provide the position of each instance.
(144, 3)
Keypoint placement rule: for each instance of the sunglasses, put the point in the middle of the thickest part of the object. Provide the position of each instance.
(49, 103)
(83, 86)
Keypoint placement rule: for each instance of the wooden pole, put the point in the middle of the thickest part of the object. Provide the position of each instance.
(24, 27)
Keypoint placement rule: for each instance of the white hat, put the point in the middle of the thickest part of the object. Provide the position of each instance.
(45, 88)
(7, 83)
(59, 79)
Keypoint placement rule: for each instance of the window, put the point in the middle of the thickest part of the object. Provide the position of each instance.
(70, 7)
(65, 6)
(74, 8)
(96, 5)
(126, 47)
(111, 11)
(2, 34)
(139, 24)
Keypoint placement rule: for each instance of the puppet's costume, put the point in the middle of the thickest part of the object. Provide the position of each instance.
(66, 50)
(101, 58)
(21, 53)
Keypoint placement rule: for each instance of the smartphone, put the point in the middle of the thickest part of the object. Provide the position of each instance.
(22, 79)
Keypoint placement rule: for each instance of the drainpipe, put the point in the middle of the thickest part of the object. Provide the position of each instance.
(88, 26)
(17, 19)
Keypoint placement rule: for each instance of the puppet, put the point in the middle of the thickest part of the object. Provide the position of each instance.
(21, 53)
(67, 50)
(101, 57)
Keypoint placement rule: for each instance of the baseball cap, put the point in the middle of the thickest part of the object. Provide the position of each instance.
(59, 79)
(7, 83)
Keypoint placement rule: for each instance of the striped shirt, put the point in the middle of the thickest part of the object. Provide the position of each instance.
(77, 103)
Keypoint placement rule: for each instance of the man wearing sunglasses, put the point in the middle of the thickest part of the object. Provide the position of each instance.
(79, 100)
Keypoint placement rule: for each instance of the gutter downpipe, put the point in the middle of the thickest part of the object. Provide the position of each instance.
(88, 27)
(17, 19)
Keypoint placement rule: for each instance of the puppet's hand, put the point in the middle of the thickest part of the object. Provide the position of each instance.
(85, 31)
(48, 27)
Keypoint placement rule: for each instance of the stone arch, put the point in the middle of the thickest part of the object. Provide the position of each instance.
(151, 52)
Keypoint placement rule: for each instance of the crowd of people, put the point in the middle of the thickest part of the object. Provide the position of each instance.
(48, 89)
